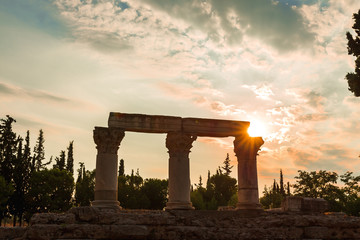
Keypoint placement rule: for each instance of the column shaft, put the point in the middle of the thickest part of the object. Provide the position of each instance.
(106, 184)
(246, 149)
(179, 145)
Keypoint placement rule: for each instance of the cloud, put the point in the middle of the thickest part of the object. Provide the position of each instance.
(302, 158)
(263, 92)
(18, 92)
(279, 25)
(202, 96)
(106, 42)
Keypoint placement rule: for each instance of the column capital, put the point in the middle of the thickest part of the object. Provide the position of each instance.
(179, 143)
(246, 147)
(108, 139)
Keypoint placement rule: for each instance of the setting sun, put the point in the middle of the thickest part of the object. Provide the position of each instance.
(256, 129)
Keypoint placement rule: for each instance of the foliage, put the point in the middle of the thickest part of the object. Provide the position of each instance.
(39, 152)
(70, 158)
(322, 184)
(221, 189)
(85, 186)
(227, 168)
(5, 193)
(8, 148)
(156, 193)
(353, 78)
(51, 191)
(21, 180)
(121, 168)
(272, 197)
(136, 193)
(60, 161)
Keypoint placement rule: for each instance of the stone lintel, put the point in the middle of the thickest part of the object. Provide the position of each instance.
(164, 124)
(145, 123)
(205, 127)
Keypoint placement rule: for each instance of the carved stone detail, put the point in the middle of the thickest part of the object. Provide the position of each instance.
(179, 143)
(108, 139)
(246, 147)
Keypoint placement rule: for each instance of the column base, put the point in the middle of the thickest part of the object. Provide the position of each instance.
(106, 205)
(249, 206)
(179, 206)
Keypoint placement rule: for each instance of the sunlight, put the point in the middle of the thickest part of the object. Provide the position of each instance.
(257, 129)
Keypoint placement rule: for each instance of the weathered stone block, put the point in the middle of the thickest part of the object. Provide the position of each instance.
(85, 214)
(52, 218)
(214, 127)
(314, 205)
(145, 123)
(302, 204)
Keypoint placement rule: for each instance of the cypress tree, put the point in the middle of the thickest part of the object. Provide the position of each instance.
(282, 189)
(288, 189)
(208, 180)
(227, 168)
(8, 148)
(60, 161)
(121, 168)
(39, 152)
(274, 186)
(70, 158)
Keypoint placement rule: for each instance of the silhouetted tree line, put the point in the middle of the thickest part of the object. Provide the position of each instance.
(220, 189)
(273, 196)
(342, 192)
(26, 185)
(29, 185)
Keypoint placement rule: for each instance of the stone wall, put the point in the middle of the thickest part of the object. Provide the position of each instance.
(89, 223)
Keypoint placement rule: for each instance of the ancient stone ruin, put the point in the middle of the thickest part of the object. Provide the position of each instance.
(299, 218)
(181, 133)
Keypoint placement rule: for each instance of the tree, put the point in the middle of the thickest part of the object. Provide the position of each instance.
(350, 198)
(227, 168)
(60, 161)
(50, 191)
(21, 178)
(223, 187)
(85, 186)
(39, 153)
(8, 148)
(70, 158)
(282, 188)
(5, 193)
(155, 191)
(319, 184)
(272, 197)
(200, 184)
(121, 168)
(353, 78)
(197, 200)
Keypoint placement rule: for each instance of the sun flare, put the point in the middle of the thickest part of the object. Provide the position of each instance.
(257, 129)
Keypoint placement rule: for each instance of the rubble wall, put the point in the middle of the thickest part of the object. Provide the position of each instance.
(89, 223)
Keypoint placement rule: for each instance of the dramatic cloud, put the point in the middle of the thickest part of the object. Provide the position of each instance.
(275, 23)
(278, 63)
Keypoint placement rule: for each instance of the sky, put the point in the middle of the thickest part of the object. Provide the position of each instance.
(66, 64)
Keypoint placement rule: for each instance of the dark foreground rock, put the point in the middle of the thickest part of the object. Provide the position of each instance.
(89, 223)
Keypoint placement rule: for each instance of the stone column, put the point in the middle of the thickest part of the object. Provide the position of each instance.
(246, 149)
(179, 145)
(106, 184)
